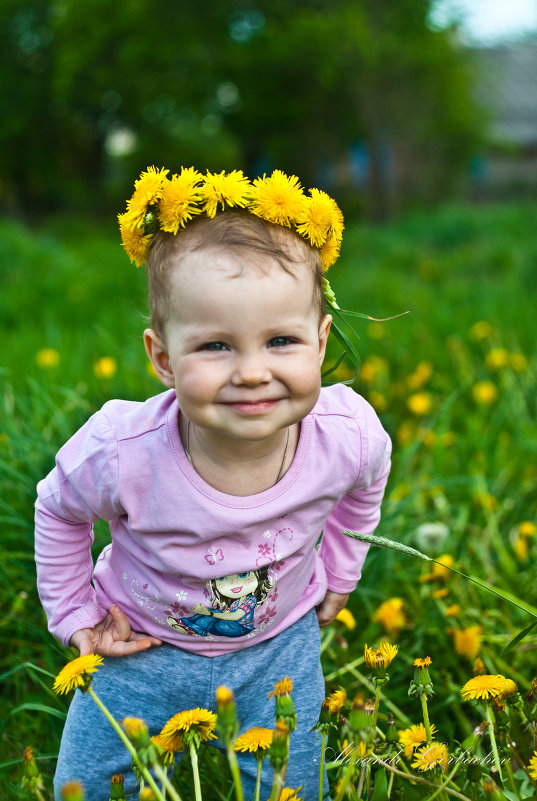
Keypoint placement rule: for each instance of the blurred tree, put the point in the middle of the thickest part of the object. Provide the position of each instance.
(301, 86)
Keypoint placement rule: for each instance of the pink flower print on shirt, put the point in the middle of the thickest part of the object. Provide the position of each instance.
(214, 555)
(266, 616)
(264, 550)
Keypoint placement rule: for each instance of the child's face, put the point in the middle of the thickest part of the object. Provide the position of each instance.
(243, 352)
(238, 585)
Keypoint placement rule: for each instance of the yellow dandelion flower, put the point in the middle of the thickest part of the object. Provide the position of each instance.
(283, 687)
(105, 367)
(135, 243)
(329, 253)
(378, 401)
(346, 617)
(73, 791)
(481, 330)
(518, 362)
(253, 740)
(179, 201)
(532, 765)
(316, 218)
(278, 199)
(47, 357)
(420, 403)
(441, 593)
(486, 500)
(405, 433)
(77, 673)
(224, 696)
(147, 191)
(509, 688)
(479, 667)
(288, 794)
(381, 656)
(527, 529)
(429, 756)
(168, 748)
(423, 662)
(453, 611)
(497, 358)
(198, 720)
(521, 548)
(420, 376)
(485, 392)
(391, 616)
(439, 572)
(467, 641)
(483, 687)
(231, 189)
(336, 700)
(413, 737)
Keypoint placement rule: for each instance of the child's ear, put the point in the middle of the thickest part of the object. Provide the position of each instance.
(158, 356)
(324, 330)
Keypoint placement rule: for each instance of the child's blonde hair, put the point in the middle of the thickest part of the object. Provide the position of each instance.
(234, 231)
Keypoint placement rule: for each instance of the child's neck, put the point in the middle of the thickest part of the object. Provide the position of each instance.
(248, 468)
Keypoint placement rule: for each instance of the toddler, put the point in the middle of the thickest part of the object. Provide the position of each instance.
(217, 490)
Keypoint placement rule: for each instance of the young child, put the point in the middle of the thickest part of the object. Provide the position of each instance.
(216, 491)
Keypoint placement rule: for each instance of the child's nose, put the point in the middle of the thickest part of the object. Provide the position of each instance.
(250, 370)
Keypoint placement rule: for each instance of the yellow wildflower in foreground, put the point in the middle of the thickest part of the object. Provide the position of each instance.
(467, 641)
(381, 656)
(252, 740)
(390, 615)
(47, 357)
(167, 749)
(278, 199)
(346, 617)
(105, 367)
(196, 720)
(77, 673)
(413, 737)
(532, 765)
(483, 687)
(232, 189)
(485, 392)
(336, 701)
(429, 756)
(509, 688)
(283, 687)
(288, 794)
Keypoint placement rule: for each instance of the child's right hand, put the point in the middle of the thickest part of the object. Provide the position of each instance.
(113, 636)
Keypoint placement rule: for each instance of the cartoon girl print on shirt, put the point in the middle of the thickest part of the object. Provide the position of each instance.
(232, 613)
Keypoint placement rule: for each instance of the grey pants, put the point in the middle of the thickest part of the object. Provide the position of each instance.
(155, 684)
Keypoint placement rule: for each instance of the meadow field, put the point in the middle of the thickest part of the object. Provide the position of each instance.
(455, 384)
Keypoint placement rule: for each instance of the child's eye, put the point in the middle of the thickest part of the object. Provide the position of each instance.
(278, 342)
(214, 346)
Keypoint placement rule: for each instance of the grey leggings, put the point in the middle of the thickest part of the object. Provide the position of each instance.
(155, 684)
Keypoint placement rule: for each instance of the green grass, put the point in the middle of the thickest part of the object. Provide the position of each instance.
(467, 464)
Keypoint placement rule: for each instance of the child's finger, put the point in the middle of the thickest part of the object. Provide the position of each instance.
(123, 627)
(136, 636)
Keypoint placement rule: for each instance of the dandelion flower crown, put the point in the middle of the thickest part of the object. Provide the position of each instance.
(160, 203)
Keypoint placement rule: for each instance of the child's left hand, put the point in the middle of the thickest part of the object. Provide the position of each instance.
(332, 603)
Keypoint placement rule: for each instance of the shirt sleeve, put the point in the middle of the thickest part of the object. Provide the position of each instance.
(81, 489)
(359, 509)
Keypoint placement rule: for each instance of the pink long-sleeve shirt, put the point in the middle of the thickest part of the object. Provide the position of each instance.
(203, 570)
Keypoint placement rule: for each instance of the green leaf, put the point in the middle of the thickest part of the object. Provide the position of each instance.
(520, 636)
(48, 710)
(380, 791)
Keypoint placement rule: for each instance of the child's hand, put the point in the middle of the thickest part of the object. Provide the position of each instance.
(113, 636)
(332, 603)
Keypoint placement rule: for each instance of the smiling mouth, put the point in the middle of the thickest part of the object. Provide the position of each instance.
(236, 589)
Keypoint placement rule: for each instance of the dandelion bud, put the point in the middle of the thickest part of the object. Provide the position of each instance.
(360, 722)
(147, 794)
(285, 709)
(492, 791)
(479, 667)
(421, 684)
(227, 724)
(471, 743)
(392, 735)
(324, 724)
(72, 791)
(474, 771)
(137, 732)
(117, 790)
(279, 748)
(31, 777)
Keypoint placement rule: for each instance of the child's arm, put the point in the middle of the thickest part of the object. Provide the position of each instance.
(113, 636)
